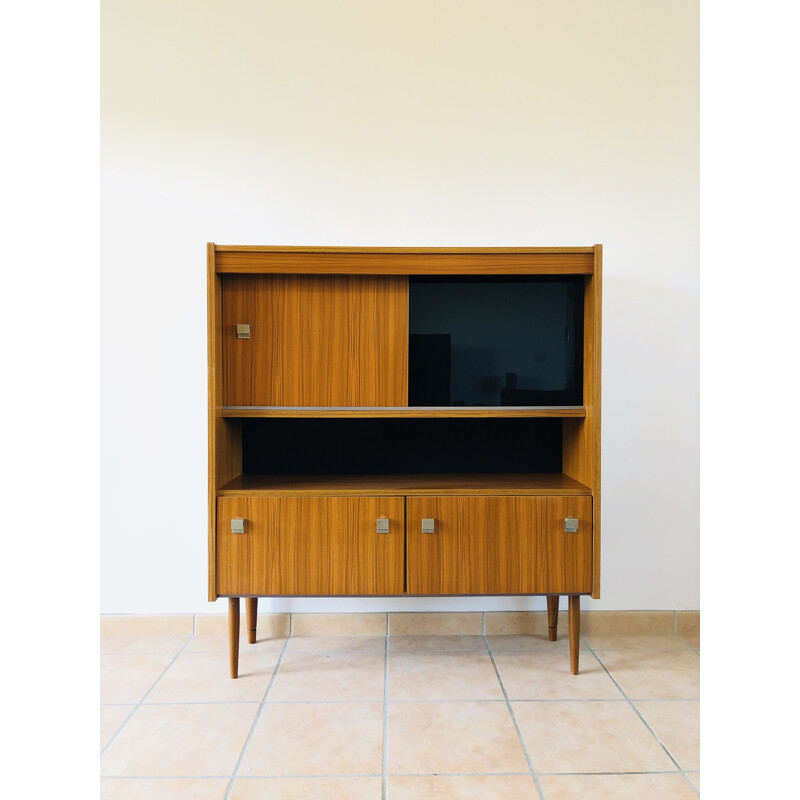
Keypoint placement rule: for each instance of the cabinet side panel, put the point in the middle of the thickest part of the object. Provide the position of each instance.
(310, 546)
(499, 545)
(316, 340)
(214, 322)
(581, 438)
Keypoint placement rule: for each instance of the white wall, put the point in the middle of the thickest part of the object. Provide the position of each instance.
(397, 122)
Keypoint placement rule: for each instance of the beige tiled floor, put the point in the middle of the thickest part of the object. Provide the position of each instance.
(426, 714)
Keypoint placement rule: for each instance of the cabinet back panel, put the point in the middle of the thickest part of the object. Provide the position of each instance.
(315, 340)
(390, 446)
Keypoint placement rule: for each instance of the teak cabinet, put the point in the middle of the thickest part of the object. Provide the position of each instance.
(389, 421)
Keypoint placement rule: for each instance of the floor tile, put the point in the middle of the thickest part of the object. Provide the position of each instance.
(588, 737)
(331, 644)
(219, 644)
(511, 622)
(306, 789)
(127, 677)
(692, 641)
(434, 642)
(694, 777)
(366, 624)
(646, 641)
(687, 623)
(627, 622)
(463, 787)
(646, 674)
(443, 675)
(205, 678)
(146, 624)
(453, 737)
(528, 641)
(142, 644)
(180, 740)
(415, 623)
(316, 739)
(329, 676)
(616, 787)
(111, 718)
(547, 676)
(163, 788)
(677, 724)
(269, 626)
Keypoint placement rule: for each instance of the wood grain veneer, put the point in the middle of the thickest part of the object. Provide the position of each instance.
(406, 261)
(233, 635)
(403, 411)
(498, 545)
(581, 437)
(315, 340)
(310, 546)
(574, 632)
(405, 485)
(329, 338)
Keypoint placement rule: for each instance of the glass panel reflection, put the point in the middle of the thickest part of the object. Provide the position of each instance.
(495, 341)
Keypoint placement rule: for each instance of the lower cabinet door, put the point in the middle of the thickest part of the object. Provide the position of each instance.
(498, 545)
(310, 545)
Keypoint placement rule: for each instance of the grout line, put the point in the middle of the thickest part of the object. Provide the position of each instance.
(145, 696)
(385, 749)
(628, 772)
(409, 700)
(644, 721)
(516, 724)
(694, 650)
(163, 777)
(255, 721)
(375, 775)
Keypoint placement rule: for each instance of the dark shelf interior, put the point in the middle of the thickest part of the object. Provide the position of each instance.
(401, 446)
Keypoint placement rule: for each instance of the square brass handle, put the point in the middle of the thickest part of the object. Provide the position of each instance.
(237, 525)
(382, 525)
(571, 525)
(428, 525)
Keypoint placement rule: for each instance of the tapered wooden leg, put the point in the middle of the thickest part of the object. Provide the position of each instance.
(574, 631)
(552, 617)
(233, 635)
(251, 606)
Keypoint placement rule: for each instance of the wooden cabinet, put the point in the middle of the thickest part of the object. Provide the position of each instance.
(315, 340)
(317, 445)
(311, 546)
(499, 545)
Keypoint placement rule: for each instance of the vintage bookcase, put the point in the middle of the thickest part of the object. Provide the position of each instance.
(389, 421)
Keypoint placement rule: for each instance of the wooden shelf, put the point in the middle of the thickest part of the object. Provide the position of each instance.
(416, 484)
(404, 411)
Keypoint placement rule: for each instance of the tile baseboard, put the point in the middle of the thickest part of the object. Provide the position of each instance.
(684, 623)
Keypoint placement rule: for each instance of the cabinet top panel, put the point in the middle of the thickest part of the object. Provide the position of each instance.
(405, 260)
